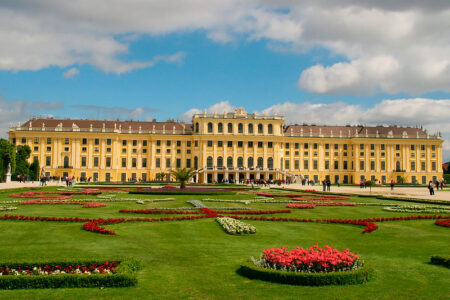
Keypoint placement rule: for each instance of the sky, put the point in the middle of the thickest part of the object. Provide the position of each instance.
(313, 61)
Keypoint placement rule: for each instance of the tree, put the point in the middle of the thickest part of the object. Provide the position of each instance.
(182, 175)
(34, 169)
(401, 180)
(370, 183)
(7, 156)
(160, 176)
(22, 156)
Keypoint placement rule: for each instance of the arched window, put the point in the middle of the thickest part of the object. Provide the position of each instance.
(250, 128)
(260, 162)
(230, 162)
(260, 128)
(270, 163)
(240, 128)
(270, 129)
(66, 161)
(196, 127)
(220, 161)
(250, 162)
(195, 162)
(209, 162)
(210, 127)
(220, 127)
(240, 162)
(230, 128)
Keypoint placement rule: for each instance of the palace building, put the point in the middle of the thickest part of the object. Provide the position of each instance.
(231, 146)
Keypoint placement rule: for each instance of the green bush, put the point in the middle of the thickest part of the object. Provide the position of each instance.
(180, 193)
(361, 275)
(415, 200)
(124, 275)
(440, 260)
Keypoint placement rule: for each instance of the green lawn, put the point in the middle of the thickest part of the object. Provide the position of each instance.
(196, 259)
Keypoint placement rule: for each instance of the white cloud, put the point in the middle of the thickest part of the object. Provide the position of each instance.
(220, 108)
(389, 46)
(71, 73)
(21, 110)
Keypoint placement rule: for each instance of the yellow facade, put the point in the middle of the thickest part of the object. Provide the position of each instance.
(233, 146)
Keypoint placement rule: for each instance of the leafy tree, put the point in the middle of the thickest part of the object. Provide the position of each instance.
(22, 156)
(160, 176)
(7, 156)
(182, 175)
(370, 183)
(34, 170)
(401, 180)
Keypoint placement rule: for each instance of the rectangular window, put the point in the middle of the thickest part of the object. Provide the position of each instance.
(188, 143)
(305, 146)
(36, 140)
(158, 150)
(144, 162)
(108, 150)
(220, 144)
(397, 147)
(209, 143)
(327, 146)
(167, 150)
(361, 165)
(297, 164)
(49, 141)
(178, 163)
(83, 161)
(315, 164)
(158, 162)
(167, 162)
(83, 149)
(286, 145)
(96, 161)
(108, 142)
(413, 148)
(108, 162)
(269, 145)
(372, 146)
(372, 154)
(372, 165)
(345, 165)
(158, 143)
(124, 142)
(24, 140)
(305, 165)
(327, 165)
(286, 164)
(423, 166)
(336, 146)
(316, 145)
(230, 144)
(178, 151)
(305, 153)
(188, 163)
(260, 144)
(36, 148)
(196, 143)
(133, 162)
(124, 162)
(422, 147)
(124, 150)
(383, 146)
(297, 145)
(413, 166)
(134, 150)
(433, 166)
(250, 144)
(48, 161)
(240, 144)
(168, 143)
(178, 143)
(84, 141)
(336, 165)
(433, 147)
(66, 141)
(345, 147)
(96, 141)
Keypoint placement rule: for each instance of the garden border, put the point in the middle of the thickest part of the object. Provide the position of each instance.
(125, 275)
(361, 275)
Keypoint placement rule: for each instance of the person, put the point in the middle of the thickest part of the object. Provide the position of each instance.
(392, 185)
(338, 183)
(442, 184)
(431, 187)
(324, 184)
(328, 181)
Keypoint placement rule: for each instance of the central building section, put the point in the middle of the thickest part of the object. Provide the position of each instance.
(238, 146)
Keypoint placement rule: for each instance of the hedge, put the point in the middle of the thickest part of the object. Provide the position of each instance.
(361, 275)
(124, 275)
(440, 260)
(181, 193)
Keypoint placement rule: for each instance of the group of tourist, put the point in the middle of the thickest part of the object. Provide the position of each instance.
(436, 184)
(326, 184)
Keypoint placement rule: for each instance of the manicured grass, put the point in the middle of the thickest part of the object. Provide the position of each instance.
(196, 259)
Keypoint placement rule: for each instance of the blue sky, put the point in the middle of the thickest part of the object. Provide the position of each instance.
(312, 61)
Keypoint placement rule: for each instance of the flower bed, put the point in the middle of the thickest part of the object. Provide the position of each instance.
(312, 266)
(443, 223)
(69, 274)
(440, 260)
(7, 208)
(299, 205)
(85, 204)
(185, 191)
(417, 209)
(232, 226)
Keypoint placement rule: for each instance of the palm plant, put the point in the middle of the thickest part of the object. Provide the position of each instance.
(182, 175)
(160, 176)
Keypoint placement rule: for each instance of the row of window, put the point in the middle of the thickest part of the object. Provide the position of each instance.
(250, 128)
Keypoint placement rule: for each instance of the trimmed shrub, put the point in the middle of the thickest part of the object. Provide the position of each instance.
(361, 275)
(180, 192)
(124, 275)
(440, 260)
